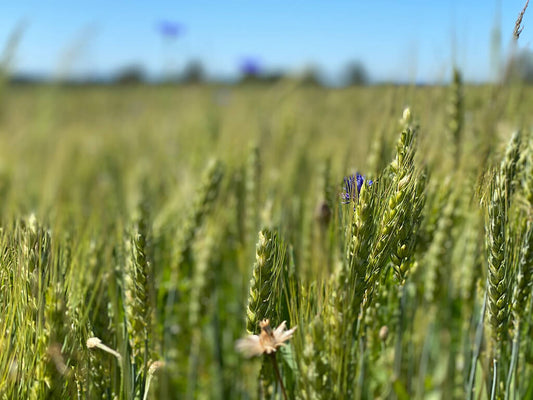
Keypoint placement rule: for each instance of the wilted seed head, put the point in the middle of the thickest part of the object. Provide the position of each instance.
(155, 366)
(384, 332)
(323, 213)
(267, 342)
(406, 116)
(93, 342)
(32, 223)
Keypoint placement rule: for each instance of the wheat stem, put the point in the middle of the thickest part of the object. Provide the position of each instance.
(272, 357)
(477, 349)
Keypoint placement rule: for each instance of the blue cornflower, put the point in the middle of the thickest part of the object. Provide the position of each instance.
(352, 187)
(250, 67)
(170, 29)
(360, 179)
(349, 189)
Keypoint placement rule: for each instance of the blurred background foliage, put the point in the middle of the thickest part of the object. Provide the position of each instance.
(134, 213)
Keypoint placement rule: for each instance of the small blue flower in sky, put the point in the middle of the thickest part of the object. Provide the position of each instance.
(250, 67)
(170, 29)
(352, 187)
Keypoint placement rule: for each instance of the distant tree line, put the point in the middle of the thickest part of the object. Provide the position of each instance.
(354, 74)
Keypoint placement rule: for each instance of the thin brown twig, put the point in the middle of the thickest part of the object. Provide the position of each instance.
(518, 28)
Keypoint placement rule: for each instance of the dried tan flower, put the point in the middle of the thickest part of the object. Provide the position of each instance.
(267, 342)
(94, 342)
(156, 365)
(384, 332)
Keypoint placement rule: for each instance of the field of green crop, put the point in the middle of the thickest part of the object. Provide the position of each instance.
(147, 231)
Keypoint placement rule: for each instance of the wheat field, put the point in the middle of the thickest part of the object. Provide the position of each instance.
(147, 231)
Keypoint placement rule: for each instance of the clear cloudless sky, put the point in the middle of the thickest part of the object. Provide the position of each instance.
(401, 40)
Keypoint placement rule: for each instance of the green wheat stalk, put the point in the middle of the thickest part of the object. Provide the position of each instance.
(456, 115)
(260, 301)
(499, 254)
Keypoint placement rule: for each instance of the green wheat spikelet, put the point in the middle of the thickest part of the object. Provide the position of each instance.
(499, 274)
(403, 177)
(252, 192)
(498, 280)
(204, 278)
(315, 370)
(362, 231)
(137, 302)
(203, 203)
(408, 232)
(438, 256)
(260, 302)
(139, 292)
(35, 262)
(352, 281)
(524, 279)
(525, 274)
(456, 115)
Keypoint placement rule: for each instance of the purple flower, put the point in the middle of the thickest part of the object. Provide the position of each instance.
(170, 29)
(250, 67)
(360, 179)
(349, 189)
(352, 187)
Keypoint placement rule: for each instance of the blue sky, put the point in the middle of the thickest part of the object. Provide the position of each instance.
(416, 40)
